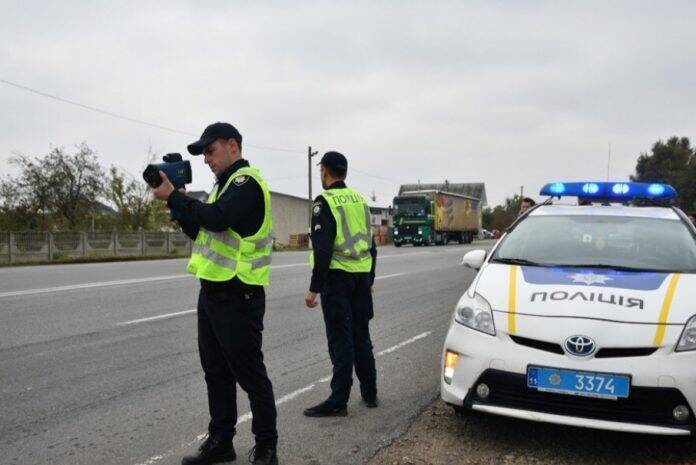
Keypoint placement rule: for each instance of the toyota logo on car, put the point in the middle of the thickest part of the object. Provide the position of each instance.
(581, 346)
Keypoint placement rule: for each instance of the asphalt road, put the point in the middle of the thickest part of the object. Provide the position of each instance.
(99, 362)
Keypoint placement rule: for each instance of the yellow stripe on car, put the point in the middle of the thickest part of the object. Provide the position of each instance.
(664, 313)
(512, 299)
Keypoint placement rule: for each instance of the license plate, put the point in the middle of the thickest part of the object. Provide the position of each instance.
(578, 383)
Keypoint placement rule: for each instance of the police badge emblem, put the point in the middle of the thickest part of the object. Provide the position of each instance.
(239, 180)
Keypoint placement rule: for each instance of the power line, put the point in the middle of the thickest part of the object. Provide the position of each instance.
(376, 177)
(128, 118)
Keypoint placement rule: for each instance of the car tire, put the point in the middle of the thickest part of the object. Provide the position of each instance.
(459, 411)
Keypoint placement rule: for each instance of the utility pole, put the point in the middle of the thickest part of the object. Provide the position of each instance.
(521, 193)
(310, 154)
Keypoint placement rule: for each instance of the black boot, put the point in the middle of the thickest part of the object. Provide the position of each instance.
(263, 454)
(326, 409)
(371, 402)
(215, 449)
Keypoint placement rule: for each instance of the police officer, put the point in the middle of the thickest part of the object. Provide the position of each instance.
(231, 256)
(343, 271)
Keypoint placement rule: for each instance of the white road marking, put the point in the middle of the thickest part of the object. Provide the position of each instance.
(186, 312)
(286, 398)
(405, 343)
(157, 317)
(122, 282)
(95, 284)
(387, 276)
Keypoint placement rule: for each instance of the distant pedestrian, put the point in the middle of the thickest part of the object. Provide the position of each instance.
(343, 271)
(525, 205)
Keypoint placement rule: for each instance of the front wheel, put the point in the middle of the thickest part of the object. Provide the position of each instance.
(459, 410)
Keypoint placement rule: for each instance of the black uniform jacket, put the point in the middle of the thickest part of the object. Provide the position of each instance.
(323, 235)
(240, 208)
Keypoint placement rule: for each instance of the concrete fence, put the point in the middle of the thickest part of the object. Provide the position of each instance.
(23, 247)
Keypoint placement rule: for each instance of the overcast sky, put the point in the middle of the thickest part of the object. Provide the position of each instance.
(510, 93)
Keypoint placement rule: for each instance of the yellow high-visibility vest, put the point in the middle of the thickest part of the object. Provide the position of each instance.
(351, 248)
(220, 256)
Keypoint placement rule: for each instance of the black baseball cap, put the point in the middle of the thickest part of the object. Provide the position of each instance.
(334, 160)
(212, 133)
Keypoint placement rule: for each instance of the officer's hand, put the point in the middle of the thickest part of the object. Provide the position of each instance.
(165, 189)
(311, 299)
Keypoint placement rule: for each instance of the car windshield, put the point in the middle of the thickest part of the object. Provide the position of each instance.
(603, 241)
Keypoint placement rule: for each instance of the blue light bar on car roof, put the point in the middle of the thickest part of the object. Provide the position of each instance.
(610, 190)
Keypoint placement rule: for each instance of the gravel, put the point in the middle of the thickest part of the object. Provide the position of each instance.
(439, 436)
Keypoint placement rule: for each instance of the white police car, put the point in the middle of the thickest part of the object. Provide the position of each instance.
(583, 314)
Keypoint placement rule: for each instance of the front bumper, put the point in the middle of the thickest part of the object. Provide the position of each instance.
(408, 239)
(660, 382)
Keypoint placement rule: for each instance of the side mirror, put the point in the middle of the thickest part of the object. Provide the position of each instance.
(474, 259)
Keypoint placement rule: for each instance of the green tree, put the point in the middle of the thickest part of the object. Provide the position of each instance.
(56, 191)
(15, 215)
(672, 162)
(137, 208)
(501, 216)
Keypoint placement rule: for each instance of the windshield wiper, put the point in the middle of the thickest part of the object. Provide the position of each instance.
(616, 267)
(516, 261)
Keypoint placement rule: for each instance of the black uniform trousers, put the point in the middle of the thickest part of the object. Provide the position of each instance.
(346, 302)
(230, 322)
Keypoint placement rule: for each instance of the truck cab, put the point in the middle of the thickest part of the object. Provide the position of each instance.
(413, 220)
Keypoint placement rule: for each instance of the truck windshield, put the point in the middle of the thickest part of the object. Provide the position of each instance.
(411, 207)
(643, 244)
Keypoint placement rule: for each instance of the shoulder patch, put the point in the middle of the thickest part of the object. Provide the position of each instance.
(316, 209)
(240, 180)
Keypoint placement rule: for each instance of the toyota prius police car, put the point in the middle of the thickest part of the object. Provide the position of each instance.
(584, 314)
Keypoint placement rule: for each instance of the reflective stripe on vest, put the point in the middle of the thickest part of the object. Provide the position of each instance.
(220, 256)
(351, 240)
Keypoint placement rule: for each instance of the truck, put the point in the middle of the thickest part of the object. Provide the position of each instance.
(435, 217)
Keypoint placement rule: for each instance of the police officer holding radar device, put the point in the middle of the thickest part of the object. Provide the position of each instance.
(231, 256)
(343, 271)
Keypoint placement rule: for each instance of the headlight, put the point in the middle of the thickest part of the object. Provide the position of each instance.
(396, 232)
(420, 230)
(475, 313)
(687, 341)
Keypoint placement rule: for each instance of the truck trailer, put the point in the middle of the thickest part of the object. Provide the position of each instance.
(434, 217)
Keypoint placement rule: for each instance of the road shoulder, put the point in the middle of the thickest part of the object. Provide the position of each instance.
(439, 437)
